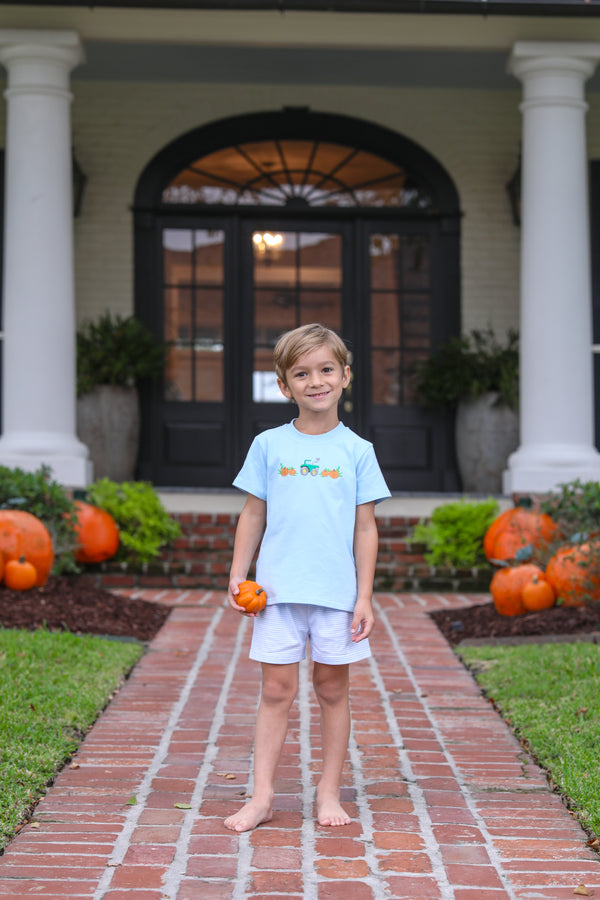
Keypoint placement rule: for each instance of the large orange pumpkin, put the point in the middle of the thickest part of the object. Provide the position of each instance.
(251, 596)
(506, 587)
(23, 534)
(574, 573)
(516, 528)
(97, 534)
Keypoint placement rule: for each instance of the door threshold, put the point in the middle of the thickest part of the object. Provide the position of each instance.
(230, 502)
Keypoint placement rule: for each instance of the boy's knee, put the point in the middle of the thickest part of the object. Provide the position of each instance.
(277, 690)
(331, 684)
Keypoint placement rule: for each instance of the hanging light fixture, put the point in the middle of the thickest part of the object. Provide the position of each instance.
(266, 241)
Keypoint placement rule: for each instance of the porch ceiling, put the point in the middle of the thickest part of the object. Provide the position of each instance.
(467, 69)
(108, 60)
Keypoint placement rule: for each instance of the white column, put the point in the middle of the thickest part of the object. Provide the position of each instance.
(39, 306)
(556, 395)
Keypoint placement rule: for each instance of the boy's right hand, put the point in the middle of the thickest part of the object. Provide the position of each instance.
(232, 593)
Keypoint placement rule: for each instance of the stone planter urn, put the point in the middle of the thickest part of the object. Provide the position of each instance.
(108, 422)
(486, 434)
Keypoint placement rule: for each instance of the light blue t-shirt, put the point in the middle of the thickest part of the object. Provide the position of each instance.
(312, 485)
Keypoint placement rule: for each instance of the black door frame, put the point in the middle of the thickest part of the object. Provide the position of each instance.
(151, 215)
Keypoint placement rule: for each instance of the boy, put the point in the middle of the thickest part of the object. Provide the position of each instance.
(313, 483)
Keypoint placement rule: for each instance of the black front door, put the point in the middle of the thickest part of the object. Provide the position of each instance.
(231, 286)
(294, 273)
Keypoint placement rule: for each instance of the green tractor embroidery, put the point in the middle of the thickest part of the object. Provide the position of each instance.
(308, 466)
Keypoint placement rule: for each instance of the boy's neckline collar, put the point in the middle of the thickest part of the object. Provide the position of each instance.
(313, 433)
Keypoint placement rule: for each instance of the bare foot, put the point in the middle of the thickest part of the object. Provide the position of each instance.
(331, 812)
(249, 816)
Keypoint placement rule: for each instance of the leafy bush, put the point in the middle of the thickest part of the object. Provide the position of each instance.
(117, 351)
(454, 534)
(36, 493)
(576, 508)
(467, 367)
(144, 524)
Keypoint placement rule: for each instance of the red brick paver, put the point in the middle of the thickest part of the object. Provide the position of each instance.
(446, 803)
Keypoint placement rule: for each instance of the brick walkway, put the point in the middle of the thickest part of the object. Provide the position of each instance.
(446, 803)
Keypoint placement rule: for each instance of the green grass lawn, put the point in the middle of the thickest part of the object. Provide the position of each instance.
(54, 685)
(550, 693)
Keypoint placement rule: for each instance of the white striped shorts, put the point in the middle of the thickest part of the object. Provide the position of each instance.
(281, 631)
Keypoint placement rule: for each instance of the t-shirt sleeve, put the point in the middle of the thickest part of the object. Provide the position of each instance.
(252, 477)
(370, 483)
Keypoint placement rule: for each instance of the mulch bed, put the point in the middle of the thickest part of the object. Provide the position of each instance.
(73, 604)
(484, 622)
(76, 605)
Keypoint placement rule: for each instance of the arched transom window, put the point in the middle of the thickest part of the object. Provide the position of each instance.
(297, 174)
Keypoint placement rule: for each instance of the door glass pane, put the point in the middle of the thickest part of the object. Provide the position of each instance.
(193, 314)
(274, 259)
(297, 280)
(177, 330)
(400, 315)
(320, 256)
(321, 306)
(385, 316)
(386, 376)
(384, 254)
(280, 172)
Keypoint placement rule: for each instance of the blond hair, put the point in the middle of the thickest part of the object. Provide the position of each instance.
(294, 344)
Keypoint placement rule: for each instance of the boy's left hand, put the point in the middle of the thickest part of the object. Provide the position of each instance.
(362, 621)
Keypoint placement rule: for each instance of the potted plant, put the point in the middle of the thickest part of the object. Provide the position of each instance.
(114, 355)
(478, 377)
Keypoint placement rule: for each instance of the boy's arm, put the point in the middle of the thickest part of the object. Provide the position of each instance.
(366, 542)
(248, 533)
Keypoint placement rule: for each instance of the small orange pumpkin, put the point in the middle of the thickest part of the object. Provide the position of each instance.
(97, 534)
(23, 534)
(574, 573)
(538, 594)
(19, 575)
(506, 587)
(516, 528)
(251, 597)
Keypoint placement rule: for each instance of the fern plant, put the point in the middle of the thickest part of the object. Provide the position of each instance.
(469, 366)
(119, 351)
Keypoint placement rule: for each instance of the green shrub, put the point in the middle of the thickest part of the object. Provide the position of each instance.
(144, 524)
(36, 493)
(575, 508)
(469, 366)
(117, 350)
(454, 533)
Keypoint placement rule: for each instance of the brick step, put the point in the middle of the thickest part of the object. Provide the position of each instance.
(201, 557)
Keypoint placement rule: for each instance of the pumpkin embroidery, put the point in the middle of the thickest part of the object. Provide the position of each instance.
(310, 467)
